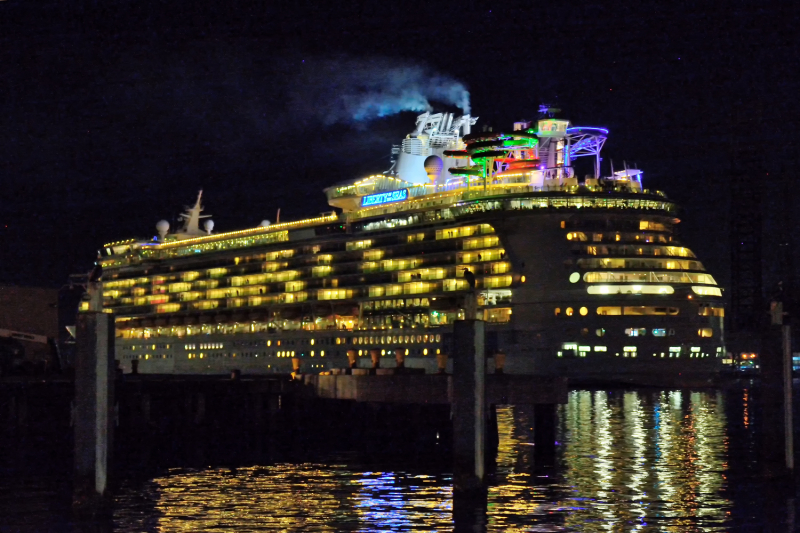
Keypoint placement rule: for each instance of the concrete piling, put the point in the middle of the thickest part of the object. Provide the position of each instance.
(94, 413)
(469, 407)
(776, 444)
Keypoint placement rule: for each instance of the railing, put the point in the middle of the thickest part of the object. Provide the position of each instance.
(574, 196)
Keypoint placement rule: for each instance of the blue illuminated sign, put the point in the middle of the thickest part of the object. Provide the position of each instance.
(384, 198)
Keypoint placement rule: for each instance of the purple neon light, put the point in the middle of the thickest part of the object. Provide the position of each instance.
(586, 128)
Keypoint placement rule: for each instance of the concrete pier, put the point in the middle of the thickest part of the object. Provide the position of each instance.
(94, 411)
(776, 444)
(469, 407)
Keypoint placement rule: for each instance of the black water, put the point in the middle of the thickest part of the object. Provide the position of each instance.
(639, 460)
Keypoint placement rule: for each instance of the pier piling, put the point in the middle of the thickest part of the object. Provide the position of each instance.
(776, 446)
(469, 406)
(94, 416)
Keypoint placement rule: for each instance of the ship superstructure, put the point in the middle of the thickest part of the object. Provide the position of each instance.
(574, 276)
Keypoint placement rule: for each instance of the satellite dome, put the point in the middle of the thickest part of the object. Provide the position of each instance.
(265, 223)
(162, 227)
(433, 166)
(209, 226)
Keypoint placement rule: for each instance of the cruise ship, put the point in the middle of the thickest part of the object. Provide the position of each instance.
(578, 276)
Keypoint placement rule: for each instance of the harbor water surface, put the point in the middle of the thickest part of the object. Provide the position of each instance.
(635, 460)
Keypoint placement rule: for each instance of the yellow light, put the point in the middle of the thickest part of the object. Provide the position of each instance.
(425, 351)
(522, 279)
(312, 342)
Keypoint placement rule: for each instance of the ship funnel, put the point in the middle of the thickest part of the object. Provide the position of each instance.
(466, 126)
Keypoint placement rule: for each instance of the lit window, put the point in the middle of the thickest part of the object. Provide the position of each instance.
(706, 291)
(705, 332)
(659, 332)
(609, 311)
(600, 349)
(636, 332)
(630, 289)
(558, 311)
(600, 332)
(569, 311)
(584, 311)
(575, 277)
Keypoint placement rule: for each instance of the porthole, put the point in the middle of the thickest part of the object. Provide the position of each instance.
(569, 311)
(575, 277)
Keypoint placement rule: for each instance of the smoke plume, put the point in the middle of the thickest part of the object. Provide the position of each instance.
(348, 90)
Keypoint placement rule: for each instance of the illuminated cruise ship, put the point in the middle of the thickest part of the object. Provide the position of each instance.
(574, 276)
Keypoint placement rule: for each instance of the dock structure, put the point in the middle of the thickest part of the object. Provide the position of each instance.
(428, 389)
(472, 396)
(143, 421)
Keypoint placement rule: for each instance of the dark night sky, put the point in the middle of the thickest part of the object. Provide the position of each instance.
(113, 114)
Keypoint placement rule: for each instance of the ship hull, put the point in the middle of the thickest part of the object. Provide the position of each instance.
(545, 320)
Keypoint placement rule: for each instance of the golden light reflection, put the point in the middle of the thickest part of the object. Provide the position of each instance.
(638, 461)
(627, 461)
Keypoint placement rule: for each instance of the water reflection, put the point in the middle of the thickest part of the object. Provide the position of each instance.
(638, 461)
(627, 461)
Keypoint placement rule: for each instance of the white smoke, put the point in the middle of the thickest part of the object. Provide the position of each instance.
(348, 90)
